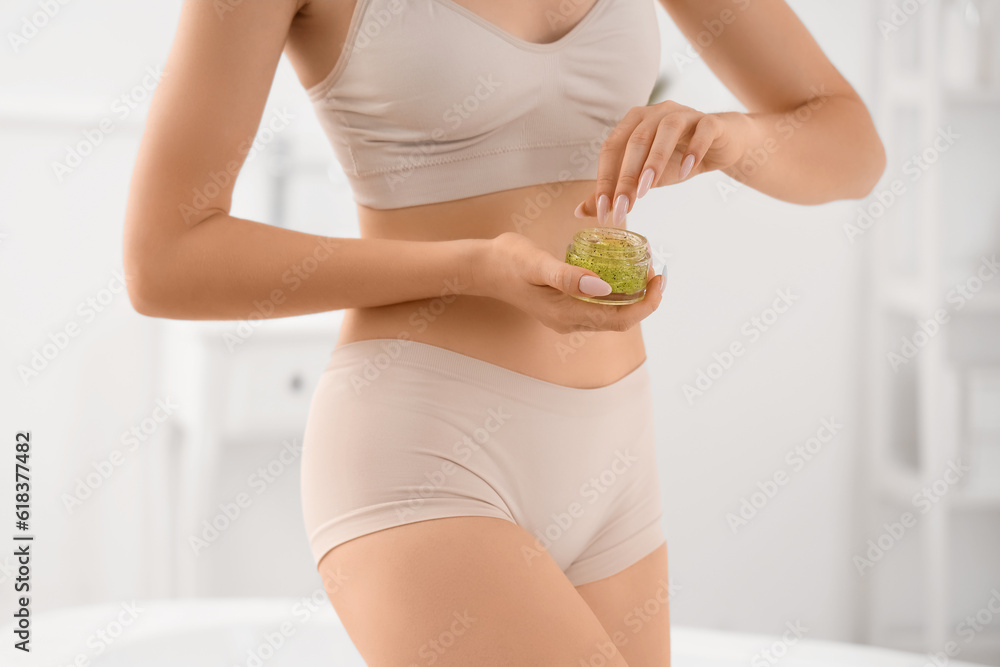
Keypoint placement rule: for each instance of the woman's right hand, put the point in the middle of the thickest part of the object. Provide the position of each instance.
(523, 274)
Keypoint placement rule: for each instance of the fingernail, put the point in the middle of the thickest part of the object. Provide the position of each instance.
(621, 207)
(594, 286)
(603, 205)
(579, 210)
(663, 282)
(645, 181)
(686, 166)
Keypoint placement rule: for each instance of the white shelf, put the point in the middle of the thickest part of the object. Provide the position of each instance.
(972, 96)
(957, 348)
(984, 303)
(905, 297)
(898, 485)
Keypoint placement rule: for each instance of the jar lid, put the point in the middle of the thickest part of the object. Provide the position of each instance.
(612, 242)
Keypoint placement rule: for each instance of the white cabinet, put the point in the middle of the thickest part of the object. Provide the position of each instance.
(239, 404)
(933, 334)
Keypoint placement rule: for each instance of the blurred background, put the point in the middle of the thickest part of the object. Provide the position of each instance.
(843, 473)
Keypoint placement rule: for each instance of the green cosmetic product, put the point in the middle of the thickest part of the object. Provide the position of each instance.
(620, 257)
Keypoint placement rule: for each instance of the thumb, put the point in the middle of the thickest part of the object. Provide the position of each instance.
(574, 280)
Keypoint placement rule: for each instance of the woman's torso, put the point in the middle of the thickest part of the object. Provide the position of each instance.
(480, 327)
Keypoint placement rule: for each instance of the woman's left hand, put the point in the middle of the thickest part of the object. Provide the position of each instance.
(661, 144)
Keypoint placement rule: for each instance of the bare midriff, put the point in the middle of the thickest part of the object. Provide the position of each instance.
(484, 327)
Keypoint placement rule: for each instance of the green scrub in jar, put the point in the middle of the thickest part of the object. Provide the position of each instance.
(619, 256)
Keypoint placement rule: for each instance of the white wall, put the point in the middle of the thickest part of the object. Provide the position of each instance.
(730, 253)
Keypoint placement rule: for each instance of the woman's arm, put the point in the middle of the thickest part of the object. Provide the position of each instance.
(806, 138)
(186, 257)
(772, 64)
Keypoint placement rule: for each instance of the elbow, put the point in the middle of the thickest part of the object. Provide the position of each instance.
(869, 162)
(140, 283)
(857, 175)
(144, 305)
(871, 168)
(146, 282)
(857, 159)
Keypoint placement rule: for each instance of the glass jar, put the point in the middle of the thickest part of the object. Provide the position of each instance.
(620, 257)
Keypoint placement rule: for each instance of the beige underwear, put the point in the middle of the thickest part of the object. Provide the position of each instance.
(401, 431)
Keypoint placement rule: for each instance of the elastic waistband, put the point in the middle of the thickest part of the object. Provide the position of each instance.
(385, 352)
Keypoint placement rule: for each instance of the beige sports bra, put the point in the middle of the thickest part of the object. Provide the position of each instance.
(429, 102)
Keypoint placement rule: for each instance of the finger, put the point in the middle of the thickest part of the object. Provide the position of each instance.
(587, 208)
(708, 129)
(609, 162)
(568, 278)
(587, 316)
(669, 131)
(636, 150)
(625, 317)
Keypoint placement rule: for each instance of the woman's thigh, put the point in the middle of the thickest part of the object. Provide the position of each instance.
(633, 607)
(459, 591)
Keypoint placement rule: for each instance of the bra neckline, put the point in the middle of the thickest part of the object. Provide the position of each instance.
(517, 41)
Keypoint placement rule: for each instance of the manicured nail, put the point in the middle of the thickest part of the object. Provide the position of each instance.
(621, 207)
(603, 206)
(663, 282)
(645, 181)
(686, 166)
(594, 286)
(579, 210)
